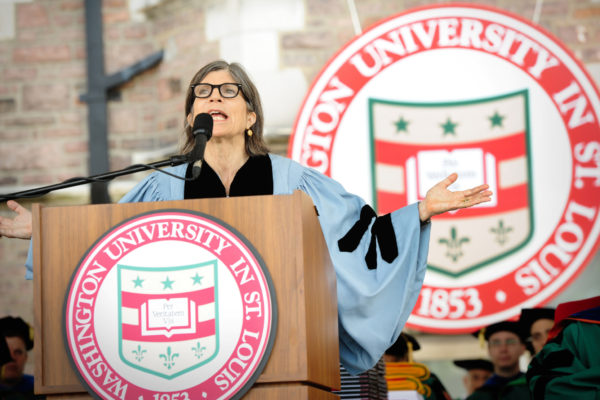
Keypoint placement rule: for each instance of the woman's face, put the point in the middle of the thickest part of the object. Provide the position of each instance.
(230, 115)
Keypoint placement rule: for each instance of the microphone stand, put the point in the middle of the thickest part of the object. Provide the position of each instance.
(107, 176)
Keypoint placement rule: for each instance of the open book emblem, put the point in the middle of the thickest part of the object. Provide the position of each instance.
(416, 145)
(168, 317)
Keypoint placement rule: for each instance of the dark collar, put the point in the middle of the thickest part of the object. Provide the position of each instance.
(254, 178)
(499, 381)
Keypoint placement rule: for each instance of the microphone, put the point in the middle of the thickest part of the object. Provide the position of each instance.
(202, 131)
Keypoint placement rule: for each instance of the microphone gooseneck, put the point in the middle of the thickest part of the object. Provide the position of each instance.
(202, 131)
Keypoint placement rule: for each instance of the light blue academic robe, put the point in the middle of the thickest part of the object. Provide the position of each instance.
(373, 304)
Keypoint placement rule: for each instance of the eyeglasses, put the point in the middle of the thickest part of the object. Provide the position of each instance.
(507, 342)
(227, 90)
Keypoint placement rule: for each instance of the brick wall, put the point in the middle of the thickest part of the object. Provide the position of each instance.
(43, 124)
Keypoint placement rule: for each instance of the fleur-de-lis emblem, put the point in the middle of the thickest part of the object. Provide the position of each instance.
(454, 244)
(139, 353)
(169, 358)
(198, 350)
(501, 232)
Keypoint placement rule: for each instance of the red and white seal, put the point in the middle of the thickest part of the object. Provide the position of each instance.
(170, 305)
(475, 90)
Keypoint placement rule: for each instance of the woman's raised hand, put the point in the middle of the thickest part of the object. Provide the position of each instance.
(439, 199)
(19, 226)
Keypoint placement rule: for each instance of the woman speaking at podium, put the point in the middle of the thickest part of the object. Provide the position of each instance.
(379, 261)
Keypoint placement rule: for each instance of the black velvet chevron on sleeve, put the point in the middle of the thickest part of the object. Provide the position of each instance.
(382, 232)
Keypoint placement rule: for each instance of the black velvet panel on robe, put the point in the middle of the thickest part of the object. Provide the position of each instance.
(254, 178)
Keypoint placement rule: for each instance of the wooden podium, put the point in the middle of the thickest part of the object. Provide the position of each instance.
(304, 362)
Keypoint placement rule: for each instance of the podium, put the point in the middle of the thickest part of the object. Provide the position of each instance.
(284, 229)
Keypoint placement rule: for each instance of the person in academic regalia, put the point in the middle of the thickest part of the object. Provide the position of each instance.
(478, 372)
(506, 344)
(536, 323)
(16, 339)
(401, 351)
(568, 366)
(379, 261)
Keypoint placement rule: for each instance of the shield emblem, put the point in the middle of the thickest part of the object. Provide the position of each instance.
(168, 321)
(415, 145)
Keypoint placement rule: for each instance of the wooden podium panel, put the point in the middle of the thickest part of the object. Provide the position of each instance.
(284, 229)
(258, 392)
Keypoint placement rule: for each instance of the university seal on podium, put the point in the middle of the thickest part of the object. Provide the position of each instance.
(170, 305)
(479, 91)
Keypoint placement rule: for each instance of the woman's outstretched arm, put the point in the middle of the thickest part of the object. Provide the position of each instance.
(439, 199)
(19, 226)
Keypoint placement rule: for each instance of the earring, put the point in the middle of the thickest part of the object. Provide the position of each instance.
(249, 132)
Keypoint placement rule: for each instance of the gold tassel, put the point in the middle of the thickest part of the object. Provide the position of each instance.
(481, 338)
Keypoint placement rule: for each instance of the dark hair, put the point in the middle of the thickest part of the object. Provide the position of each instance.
(255, 144)
(16, 327)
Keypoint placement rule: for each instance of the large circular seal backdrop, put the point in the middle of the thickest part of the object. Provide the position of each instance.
(170, 305)
(478, 91)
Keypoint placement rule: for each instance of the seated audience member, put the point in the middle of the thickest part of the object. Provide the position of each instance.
(401, 351)
(506, 344)
(17, 336)
(478, 372)
(568, 366)
(536, 323)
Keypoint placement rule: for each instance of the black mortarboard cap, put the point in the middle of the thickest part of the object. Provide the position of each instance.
(478, 363)
(530, 315)
(11, 326)
(510, 326)
(400, 347)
